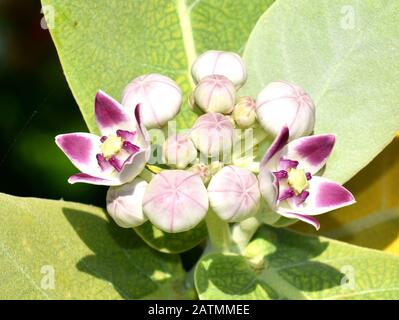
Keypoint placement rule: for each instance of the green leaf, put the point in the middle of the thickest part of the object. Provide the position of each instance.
(106, 44)
(345, 55)
(282, 264)
(171, 242)
(90, 257)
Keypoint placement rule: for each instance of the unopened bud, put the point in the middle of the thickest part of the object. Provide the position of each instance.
(244, 112)
(193, 106)
(175, 200)
(124, 203)
(282, 104)
(228, 64)
(234, 194)
(179, 151)
(159, 96)
(213, 135)
(215, 93)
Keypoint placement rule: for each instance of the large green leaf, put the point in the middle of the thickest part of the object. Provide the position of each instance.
(288, 265)
(106, 44)
(171, 242)
(90, 257)
(345, 54)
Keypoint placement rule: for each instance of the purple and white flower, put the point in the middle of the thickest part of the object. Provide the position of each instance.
(288, 182)
(118, 155)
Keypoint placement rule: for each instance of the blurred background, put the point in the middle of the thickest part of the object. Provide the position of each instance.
(36, 104)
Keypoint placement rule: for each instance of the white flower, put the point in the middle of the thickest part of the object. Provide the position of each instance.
(282, 104)
(215, 93)
(159, 96)
(228, 64)
(124, 203)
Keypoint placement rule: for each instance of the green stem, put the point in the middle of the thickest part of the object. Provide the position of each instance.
(243, 232)
(219, 234)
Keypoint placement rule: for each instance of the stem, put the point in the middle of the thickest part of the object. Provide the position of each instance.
(219, 234)
(243, 232)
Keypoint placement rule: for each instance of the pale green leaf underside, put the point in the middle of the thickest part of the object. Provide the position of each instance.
(346, 55)
(299, 267)
(91, 257)
(171, 242)
(105, 44)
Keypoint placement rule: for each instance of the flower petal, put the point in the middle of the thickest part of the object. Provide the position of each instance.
(269, 186)
(111, 115)
(312, 152)
(81, 148)
(86, 178)
(133, 166)
(279, 142)
(175, 200)
(304, 218)
(324, 195)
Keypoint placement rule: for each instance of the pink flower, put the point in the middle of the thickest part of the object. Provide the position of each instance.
(117, 156)
(287, 179)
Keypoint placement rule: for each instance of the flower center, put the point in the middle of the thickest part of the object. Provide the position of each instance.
(111, 146)
(297, 179)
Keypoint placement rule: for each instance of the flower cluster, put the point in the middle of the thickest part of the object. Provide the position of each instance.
(202, 174)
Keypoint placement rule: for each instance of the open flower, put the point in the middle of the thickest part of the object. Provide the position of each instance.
(117, 156)
(287, 179)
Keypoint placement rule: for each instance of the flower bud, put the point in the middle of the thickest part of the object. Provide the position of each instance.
(206, 171)
(244, 112)
(234, 194)
(124, 203)
(212, 134)
(228, 64)
(179, 151)
(159, 96)
(215, 94)
(175, 200)
(193, 106)
(283, 104)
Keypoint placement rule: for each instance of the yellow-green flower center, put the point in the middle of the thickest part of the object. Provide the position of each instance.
(111, 146)
(297, 180)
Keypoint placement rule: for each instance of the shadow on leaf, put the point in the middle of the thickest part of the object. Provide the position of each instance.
(281, 268)
(121, 257)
